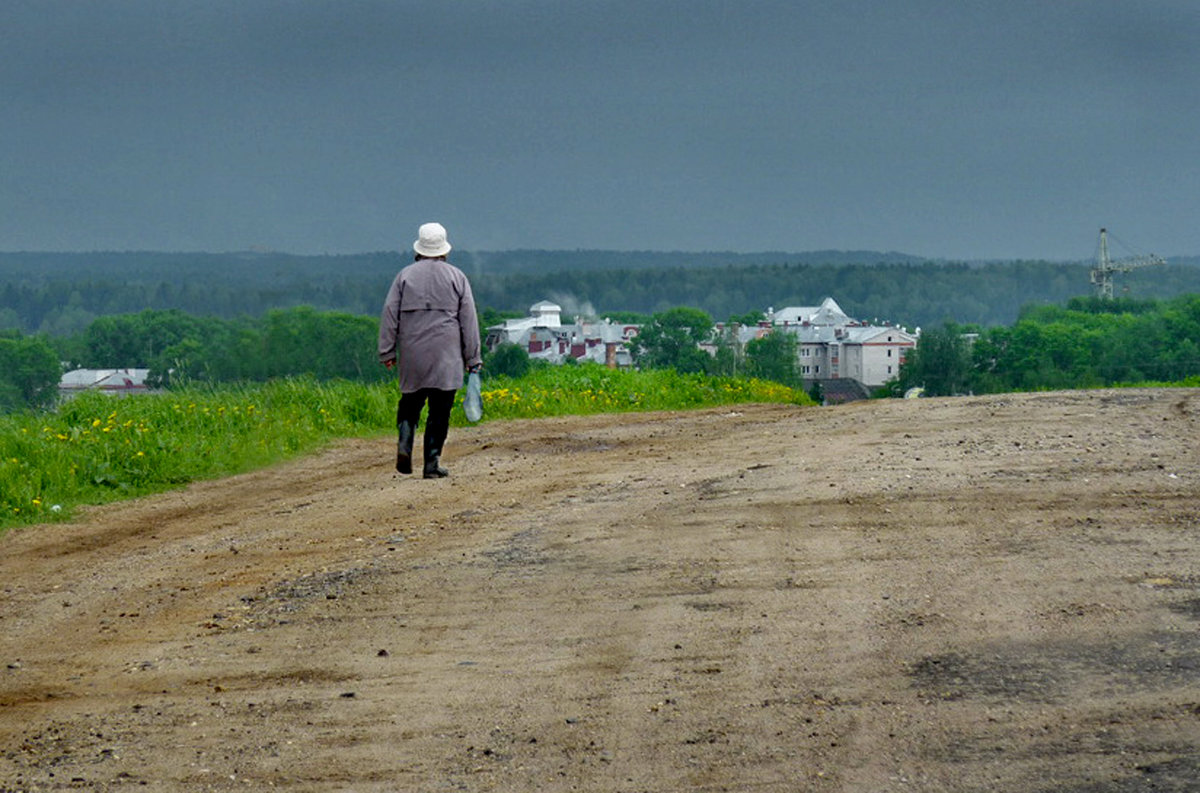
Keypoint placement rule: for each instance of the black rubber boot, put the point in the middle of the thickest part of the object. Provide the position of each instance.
(433, 466)
(404, 447)
(437, 425)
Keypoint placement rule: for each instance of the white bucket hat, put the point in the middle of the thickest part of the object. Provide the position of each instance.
(431, 240)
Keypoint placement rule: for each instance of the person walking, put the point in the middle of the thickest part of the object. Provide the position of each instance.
(428, 330)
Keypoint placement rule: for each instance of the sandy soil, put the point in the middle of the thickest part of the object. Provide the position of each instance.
(995, 593)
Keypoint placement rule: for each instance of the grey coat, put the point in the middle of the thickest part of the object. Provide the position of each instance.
(429, 325)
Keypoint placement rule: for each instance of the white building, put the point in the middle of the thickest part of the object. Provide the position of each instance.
(870, 354)
(544, 337)
(110, 381)
(848, 357)
(832, 346)
(828, 314)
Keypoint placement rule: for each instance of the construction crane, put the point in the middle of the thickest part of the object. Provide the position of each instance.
(1102, 273)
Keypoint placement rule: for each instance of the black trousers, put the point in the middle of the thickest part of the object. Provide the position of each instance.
(437, 423)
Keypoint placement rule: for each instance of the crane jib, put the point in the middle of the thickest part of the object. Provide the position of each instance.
(1102, 273)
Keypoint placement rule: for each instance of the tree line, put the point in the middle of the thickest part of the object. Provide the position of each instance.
(180, 348)
(1089, 342)
(62, 294)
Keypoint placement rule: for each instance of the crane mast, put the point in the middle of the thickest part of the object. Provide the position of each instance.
(1102, 273)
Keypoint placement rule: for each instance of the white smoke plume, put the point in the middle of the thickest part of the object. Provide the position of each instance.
(572, 307)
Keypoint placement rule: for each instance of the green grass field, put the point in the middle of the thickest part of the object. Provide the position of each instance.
(97, 448)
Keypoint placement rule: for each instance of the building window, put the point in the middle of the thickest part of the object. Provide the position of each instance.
(889, 368)
(889, 352)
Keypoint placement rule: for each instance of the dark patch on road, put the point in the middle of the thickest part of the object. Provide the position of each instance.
(523, 549)
(1051, 671)
(954, 676)
(1188, 608)
(1173, 775)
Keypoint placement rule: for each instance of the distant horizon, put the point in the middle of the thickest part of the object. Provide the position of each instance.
(617, 251)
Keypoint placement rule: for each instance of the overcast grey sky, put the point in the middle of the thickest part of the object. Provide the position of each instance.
(962, 129)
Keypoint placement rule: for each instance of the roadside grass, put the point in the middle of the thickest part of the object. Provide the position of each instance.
(1188, 382)
(96, 448)
(591, 388)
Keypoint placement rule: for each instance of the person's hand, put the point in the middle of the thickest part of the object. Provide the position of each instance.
(477, 368)
(390, 363)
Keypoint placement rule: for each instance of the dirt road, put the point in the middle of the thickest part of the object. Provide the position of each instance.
(996, 593)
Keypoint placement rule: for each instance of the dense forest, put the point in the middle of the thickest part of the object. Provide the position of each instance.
(61, 294)
(1087, 343)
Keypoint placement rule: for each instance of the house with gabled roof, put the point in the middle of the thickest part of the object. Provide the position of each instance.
(870, 354)
(828, 314)
(543, 335)
(109, 381)
(832, 347)
(847, 357)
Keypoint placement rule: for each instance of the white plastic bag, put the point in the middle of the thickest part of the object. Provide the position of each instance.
(473, 401)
